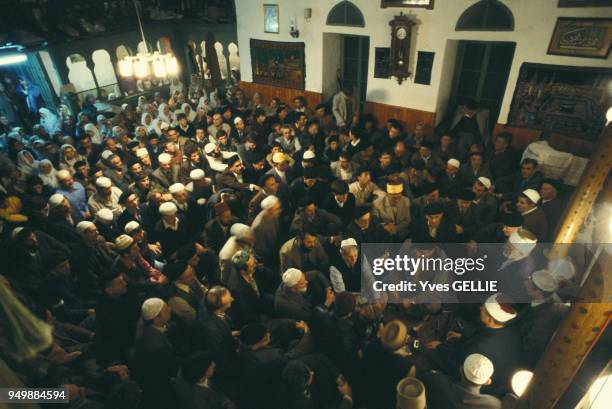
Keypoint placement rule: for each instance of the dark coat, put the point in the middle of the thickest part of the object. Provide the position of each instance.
(553, 210)
(172, 240)
(248, 306)
(116, 320)
(344, 213)
(214, 236)
(537, 326)
(192, 396)
(443, 392)
(537, 223)
(162, 180)
(446, 231)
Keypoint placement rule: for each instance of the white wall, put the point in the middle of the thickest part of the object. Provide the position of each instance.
(534, 24)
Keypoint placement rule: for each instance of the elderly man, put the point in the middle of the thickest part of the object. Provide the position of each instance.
(552, 204)
(298, 295)
(517, 264)
(345, 267)
(474, 169)
(155, 363)
(450, 182)
(485, 204)
(217, 230)
(241, 239)
(444, 392)
(534, 218)
(166, 174)
(106, 196)
(249, 303)
(281, 169)
(393, 211)
(266, 227)
(193, 213)
(172, 231)
(217, 126)
(73, 191)
(60, 223)
(269, 186)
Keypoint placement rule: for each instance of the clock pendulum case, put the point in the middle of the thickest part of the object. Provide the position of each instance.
(401, 32)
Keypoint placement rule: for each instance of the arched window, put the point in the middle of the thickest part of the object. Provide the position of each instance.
(234, 58)
(222, 59)
(141, 47)
(122, 51)
(79, 74)
(486, 15)
(103, 68)
(345, 13)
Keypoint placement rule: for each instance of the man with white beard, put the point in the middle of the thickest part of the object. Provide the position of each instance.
(517, 265)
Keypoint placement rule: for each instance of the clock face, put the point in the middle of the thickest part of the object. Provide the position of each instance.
(401, 33)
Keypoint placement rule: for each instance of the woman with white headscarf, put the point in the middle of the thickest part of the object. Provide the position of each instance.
(163, 113)
(68, 157)
(103, 125)
(186, 108)
(142, 104)
(26, 163)
(146, 120)
(94, 133)
(47, 173)
(49, 121)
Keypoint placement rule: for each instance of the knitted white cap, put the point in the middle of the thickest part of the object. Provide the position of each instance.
(350, 242)
(103, 182)
(477, 369)
(291, 277)
(83, 226)
(532, 195)
(105, 215)
(151, 308)
(485, 181)
(545, 281)
(62, 174)
(167, 209)
(164, 158)
(106, 154)
(142, 152)
(123, 242)
(237, 119)
(240, 230)
(454, 163)
(308, 155)
(196, 174)
(131, 226)
(269, 202)
(209, 147)
(279, 157)
(55, 200)
(496, 311)
(176, 188)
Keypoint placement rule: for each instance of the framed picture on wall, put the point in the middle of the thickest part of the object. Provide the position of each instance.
(278, 63)
(582, 37)
(585, 3)
(428, 4)
(271, 18)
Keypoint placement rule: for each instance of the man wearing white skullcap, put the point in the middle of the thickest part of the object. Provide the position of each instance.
(132, 227)
(73, 191)
(241, 239)
(290, 301)
(443, 391)
(266, 227)
(517, 265)
(55, 200)
(106, 196)
(166, 174)
(450, 181)
(345, 271)
(534, 218)
(216, 158)
(152, 308)
(484, 203)
(173, 230)
(281, 169)
(539, 322)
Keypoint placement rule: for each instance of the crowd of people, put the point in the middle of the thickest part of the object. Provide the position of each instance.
(195, 251)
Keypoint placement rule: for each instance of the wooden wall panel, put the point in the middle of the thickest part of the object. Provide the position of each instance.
(285, 94)
(525, 136)
(408, 117)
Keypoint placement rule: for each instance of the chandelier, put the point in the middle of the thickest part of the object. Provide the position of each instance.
(147, 64)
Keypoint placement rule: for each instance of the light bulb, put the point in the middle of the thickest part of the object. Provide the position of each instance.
(609, 116)
(125, 67)
(13, 59)
(141, 68)
(520, 381)
(172, 66)
(159, 67)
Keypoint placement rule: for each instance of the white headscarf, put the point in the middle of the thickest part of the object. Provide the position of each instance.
(192, 115)
(96, 136)
(160, 114)
(48, 120)
(24, 165)
(49, 179)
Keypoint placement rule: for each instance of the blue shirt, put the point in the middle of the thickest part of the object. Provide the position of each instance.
(77, 197)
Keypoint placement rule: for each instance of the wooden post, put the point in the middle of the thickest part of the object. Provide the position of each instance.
(587, 319)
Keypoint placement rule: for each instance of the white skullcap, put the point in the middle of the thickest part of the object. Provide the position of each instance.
(279, 157)
(237, 119)
(123, 242)
(164, 158)
(196, 174)
(291, 277)
(167, 209)
(142, 152)
(477, 369)
(209, 147)
(163, 126)
(62, 174)
(532, 195)
(486, 182)
(269, 202)
(106, 154)
(131, 226)
(103, 182)
(56, 200)
(15, 232)
(561, 269)
(151, 308)
(496, 311)
(201, 201)
(240, 230)
(516, 238)
(308, 155)
(83, 226)
(105, 215)
(176, 188)
(545, 281)
(454, 163)
(350, 242)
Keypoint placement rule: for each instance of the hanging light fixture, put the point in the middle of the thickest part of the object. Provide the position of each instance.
(12, 54)
(148, 64)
